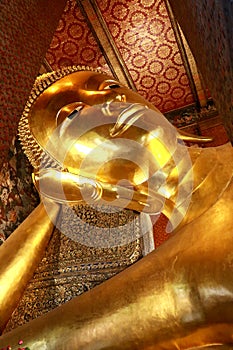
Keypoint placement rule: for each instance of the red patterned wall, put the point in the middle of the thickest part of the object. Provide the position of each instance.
(73, 42)
(142, 32)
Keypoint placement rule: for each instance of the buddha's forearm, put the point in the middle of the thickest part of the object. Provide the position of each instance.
(178, 297)
(20, 255)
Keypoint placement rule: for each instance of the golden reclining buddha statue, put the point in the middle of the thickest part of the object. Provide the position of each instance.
(93, 142)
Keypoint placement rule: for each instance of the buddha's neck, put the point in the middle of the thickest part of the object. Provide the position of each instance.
(211, 174)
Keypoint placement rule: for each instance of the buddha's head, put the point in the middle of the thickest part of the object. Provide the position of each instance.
(81, 122)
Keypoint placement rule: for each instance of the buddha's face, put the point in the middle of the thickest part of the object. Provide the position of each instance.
(82, 88)
(88, 133)
(99, 128)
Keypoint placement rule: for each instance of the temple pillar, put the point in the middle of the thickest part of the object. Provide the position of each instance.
(208, 27)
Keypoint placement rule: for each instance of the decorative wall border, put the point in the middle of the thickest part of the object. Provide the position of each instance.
(192, 115)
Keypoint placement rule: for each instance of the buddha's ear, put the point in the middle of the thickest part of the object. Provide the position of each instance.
(184, 136)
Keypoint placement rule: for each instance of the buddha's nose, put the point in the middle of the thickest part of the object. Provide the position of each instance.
(120, 98)
(115, 96)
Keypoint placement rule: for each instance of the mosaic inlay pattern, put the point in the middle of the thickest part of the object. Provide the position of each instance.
(18, 197)
(70, 268)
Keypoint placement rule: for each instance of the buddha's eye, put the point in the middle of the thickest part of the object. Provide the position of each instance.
(67, 114)
(112, 86)
(109, 85)
(75, 112)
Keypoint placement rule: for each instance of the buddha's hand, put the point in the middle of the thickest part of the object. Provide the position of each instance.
(65, 187)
